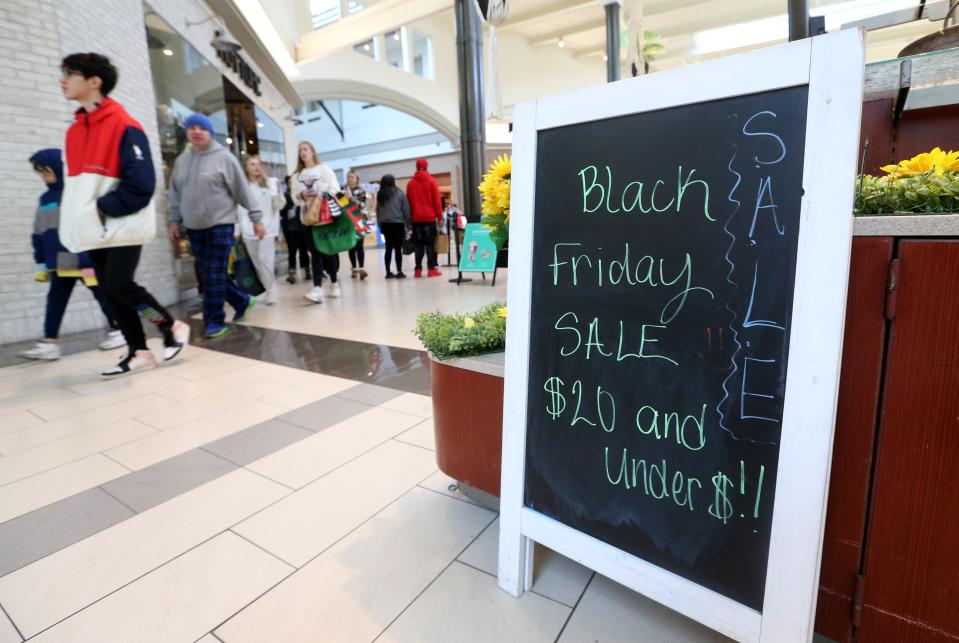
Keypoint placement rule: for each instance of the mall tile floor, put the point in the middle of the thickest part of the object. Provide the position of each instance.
(277, 486)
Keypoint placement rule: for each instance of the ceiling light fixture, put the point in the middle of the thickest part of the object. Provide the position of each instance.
(561, 43)
(229, 141)
(259, 123)
(396, 35)
(366, 47)
(167, 52)
(605, 58)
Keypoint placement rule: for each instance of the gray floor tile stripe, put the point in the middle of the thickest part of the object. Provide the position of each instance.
(167, 479)
(324, 413)
(369, 394)
(40, 533)
(6, 615)
(258, 441)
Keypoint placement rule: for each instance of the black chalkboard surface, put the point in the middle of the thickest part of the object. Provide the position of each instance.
(662, 289)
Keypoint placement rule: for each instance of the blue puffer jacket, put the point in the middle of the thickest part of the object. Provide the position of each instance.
(48, 253)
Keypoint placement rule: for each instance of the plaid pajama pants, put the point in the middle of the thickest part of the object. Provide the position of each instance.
(211, 252)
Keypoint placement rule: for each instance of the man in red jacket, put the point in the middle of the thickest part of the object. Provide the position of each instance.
(423, 193)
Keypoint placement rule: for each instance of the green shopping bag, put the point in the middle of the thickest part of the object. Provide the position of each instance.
(335, 237)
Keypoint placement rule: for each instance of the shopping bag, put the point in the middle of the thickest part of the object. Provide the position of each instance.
(339, 236)
(408, 247)
(442, 244)
(241, 267)
(354, 211)
(319, 212)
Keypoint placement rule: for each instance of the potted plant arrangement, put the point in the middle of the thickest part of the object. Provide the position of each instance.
(925, 184)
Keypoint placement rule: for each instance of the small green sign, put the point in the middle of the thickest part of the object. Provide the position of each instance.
(479, 251)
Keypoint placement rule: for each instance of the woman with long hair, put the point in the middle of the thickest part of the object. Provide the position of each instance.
(393, 218)
(312, 180)
(262, 251)
(293, 234)
(357, 253)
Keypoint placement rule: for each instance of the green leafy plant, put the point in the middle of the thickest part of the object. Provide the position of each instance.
(455, 335)
(926, 193)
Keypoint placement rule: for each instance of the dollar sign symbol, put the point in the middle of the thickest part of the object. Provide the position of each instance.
(721, 508)
(557, 401)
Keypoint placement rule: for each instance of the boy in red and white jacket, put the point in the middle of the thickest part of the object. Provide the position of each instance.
(107, 205)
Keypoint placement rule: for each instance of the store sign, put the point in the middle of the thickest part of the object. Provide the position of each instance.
(235, 62)
(680, 253)
(479, 250)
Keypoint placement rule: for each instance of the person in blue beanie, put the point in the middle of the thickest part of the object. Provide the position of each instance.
(206, 185)
(57, 266)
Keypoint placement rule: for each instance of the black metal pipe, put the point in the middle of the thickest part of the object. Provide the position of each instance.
(469, 44)
(798, 19)
(612, 42)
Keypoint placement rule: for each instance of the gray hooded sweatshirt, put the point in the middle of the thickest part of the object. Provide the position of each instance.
(206, 188)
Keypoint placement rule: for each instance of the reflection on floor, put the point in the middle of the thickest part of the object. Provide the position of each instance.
(274, 485)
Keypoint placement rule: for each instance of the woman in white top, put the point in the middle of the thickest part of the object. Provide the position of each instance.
(310, 181)
(270, 200)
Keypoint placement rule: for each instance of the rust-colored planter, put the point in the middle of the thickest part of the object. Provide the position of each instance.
(468, 421)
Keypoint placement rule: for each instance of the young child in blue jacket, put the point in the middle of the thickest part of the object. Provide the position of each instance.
(56, 265)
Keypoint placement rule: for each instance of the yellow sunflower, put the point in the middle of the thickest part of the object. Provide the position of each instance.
(935, 161)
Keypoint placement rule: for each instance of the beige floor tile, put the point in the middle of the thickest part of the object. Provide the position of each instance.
(421, 435)
(297, 376)
(23, 496)
(8, 634)
(17, 421)
(554, 576)
(420, 405)
(209, 638)
(80, 423)
(357, 587)
(41, 594)
(441, 483)
(175, 441)
(308, 459)
(246, 371)
(309, 390)
(181, 412)
(610, 612)
(466, 605)
(77, 447)
(99, 393)
(195, 372)
(295, 531)
(180, 601)
(32, 400)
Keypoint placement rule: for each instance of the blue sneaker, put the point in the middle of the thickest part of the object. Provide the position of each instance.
(241, 314)
(213, 331)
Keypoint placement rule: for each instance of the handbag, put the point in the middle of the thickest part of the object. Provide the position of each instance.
(354, 211)
(408, 247)
(242, 269)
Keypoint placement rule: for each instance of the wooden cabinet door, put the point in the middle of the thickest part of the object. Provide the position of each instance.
(911, 582)
(864, 346)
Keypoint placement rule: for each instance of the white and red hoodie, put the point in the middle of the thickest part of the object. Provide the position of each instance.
(108, 189)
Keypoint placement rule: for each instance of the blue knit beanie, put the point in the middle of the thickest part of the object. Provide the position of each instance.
(200, 120)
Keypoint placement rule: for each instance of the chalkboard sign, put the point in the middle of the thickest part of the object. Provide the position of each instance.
(667, 293)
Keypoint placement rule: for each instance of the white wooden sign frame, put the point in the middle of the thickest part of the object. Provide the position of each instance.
(832, 67)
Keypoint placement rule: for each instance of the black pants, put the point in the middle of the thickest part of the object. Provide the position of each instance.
(357, 254)
(319, 261)
(424, 238)
(296, 246)
(127, 299)
(57, 298)
(393, 234)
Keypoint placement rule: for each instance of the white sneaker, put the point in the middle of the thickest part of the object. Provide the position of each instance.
(335, 291)
(181, 337)
(44, 351)
(270, 298)
(113, 340)
(139, 361)
(315, 295)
